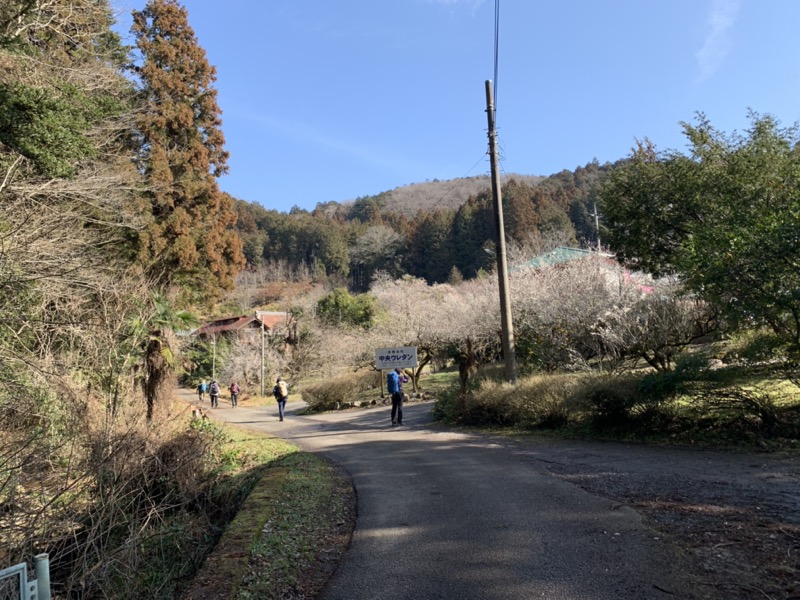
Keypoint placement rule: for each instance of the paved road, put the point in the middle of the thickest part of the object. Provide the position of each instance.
(457, 516)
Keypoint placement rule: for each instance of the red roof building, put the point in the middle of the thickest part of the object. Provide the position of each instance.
(235, 326)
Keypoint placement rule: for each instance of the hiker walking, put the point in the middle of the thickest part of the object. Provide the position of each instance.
(281, 393)
(213, 392)
(202, 388)
(394, 385)
(234, 389)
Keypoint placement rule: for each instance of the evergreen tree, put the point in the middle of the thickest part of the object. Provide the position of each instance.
(190, 240)
(520, 215)
(430, 252)
(725, 219)
(473, 227)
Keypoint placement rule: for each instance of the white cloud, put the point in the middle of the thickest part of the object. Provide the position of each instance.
(721, 18)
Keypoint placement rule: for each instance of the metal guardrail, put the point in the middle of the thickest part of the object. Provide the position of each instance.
(15, 585)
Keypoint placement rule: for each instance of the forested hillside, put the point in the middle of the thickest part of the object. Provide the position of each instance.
(433, 194)
(439, 231)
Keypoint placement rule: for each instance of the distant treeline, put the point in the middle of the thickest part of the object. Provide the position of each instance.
(439, 231)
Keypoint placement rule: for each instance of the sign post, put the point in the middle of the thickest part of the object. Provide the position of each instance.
(403, 357)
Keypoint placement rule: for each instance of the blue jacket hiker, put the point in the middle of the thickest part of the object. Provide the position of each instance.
(201, 390)
(394, 385)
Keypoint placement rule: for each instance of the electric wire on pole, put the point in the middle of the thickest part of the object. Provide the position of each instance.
(506, 322)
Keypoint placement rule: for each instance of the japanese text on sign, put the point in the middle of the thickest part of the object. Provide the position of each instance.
(389, 358)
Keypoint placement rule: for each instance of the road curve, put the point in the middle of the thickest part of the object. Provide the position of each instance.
(459, 516)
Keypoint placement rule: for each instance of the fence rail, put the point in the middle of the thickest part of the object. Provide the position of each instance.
(15, 585)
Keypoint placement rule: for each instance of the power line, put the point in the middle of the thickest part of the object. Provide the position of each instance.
(454, 182)
(496, 49)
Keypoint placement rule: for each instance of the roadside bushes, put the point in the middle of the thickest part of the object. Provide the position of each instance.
(123, 508)
(537, 401)
(691, 403)
(340, 391)
(555, 400)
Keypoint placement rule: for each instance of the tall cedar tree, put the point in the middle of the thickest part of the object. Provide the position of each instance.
(190, 241)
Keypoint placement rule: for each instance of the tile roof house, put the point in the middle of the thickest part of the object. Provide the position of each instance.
(235, 326)
(560, 256)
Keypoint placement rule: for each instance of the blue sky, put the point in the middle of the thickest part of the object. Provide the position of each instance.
(327, 100)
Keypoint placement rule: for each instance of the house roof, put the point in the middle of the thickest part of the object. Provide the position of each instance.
(271, 320)
(556, 256)
(226, 324)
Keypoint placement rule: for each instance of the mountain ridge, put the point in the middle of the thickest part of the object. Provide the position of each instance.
(431, 195)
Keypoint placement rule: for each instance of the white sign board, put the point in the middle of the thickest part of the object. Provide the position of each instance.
(389, 358)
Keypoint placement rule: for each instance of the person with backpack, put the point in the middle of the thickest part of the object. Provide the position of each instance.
(234, 389)
(281, 393)
(213, 392)
(201, 390)
(394, 385)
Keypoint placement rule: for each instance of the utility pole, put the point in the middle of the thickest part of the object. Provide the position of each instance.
(214, 357)
(509, 353)
(597, 225)
(261, 318)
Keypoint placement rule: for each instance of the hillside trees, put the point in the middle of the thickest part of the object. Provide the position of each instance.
(311, 241)
(190, 240)
(725, 219)
(430, 254)
(472, 233)
(378, 248)
(380, 237)
(69, 215)
(84, 477)
(69, 285)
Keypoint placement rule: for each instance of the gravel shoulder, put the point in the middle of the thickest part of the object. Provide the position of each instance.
(737, 514)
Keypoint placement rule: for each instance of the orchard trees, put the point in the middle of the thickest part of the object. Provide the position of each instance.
(593, 310)
(557, 310)
(725, 219)
(462, 322)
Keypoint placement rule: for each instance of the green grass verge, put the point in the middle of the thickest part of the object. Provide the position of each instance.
(309, 528)
(288, 533)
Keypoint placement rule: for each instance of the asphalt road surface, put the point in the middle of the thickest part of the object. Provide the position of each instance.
(459, 516)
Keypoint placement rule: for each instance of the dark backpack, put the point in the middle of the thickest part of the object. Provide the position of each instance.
(214, 391)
